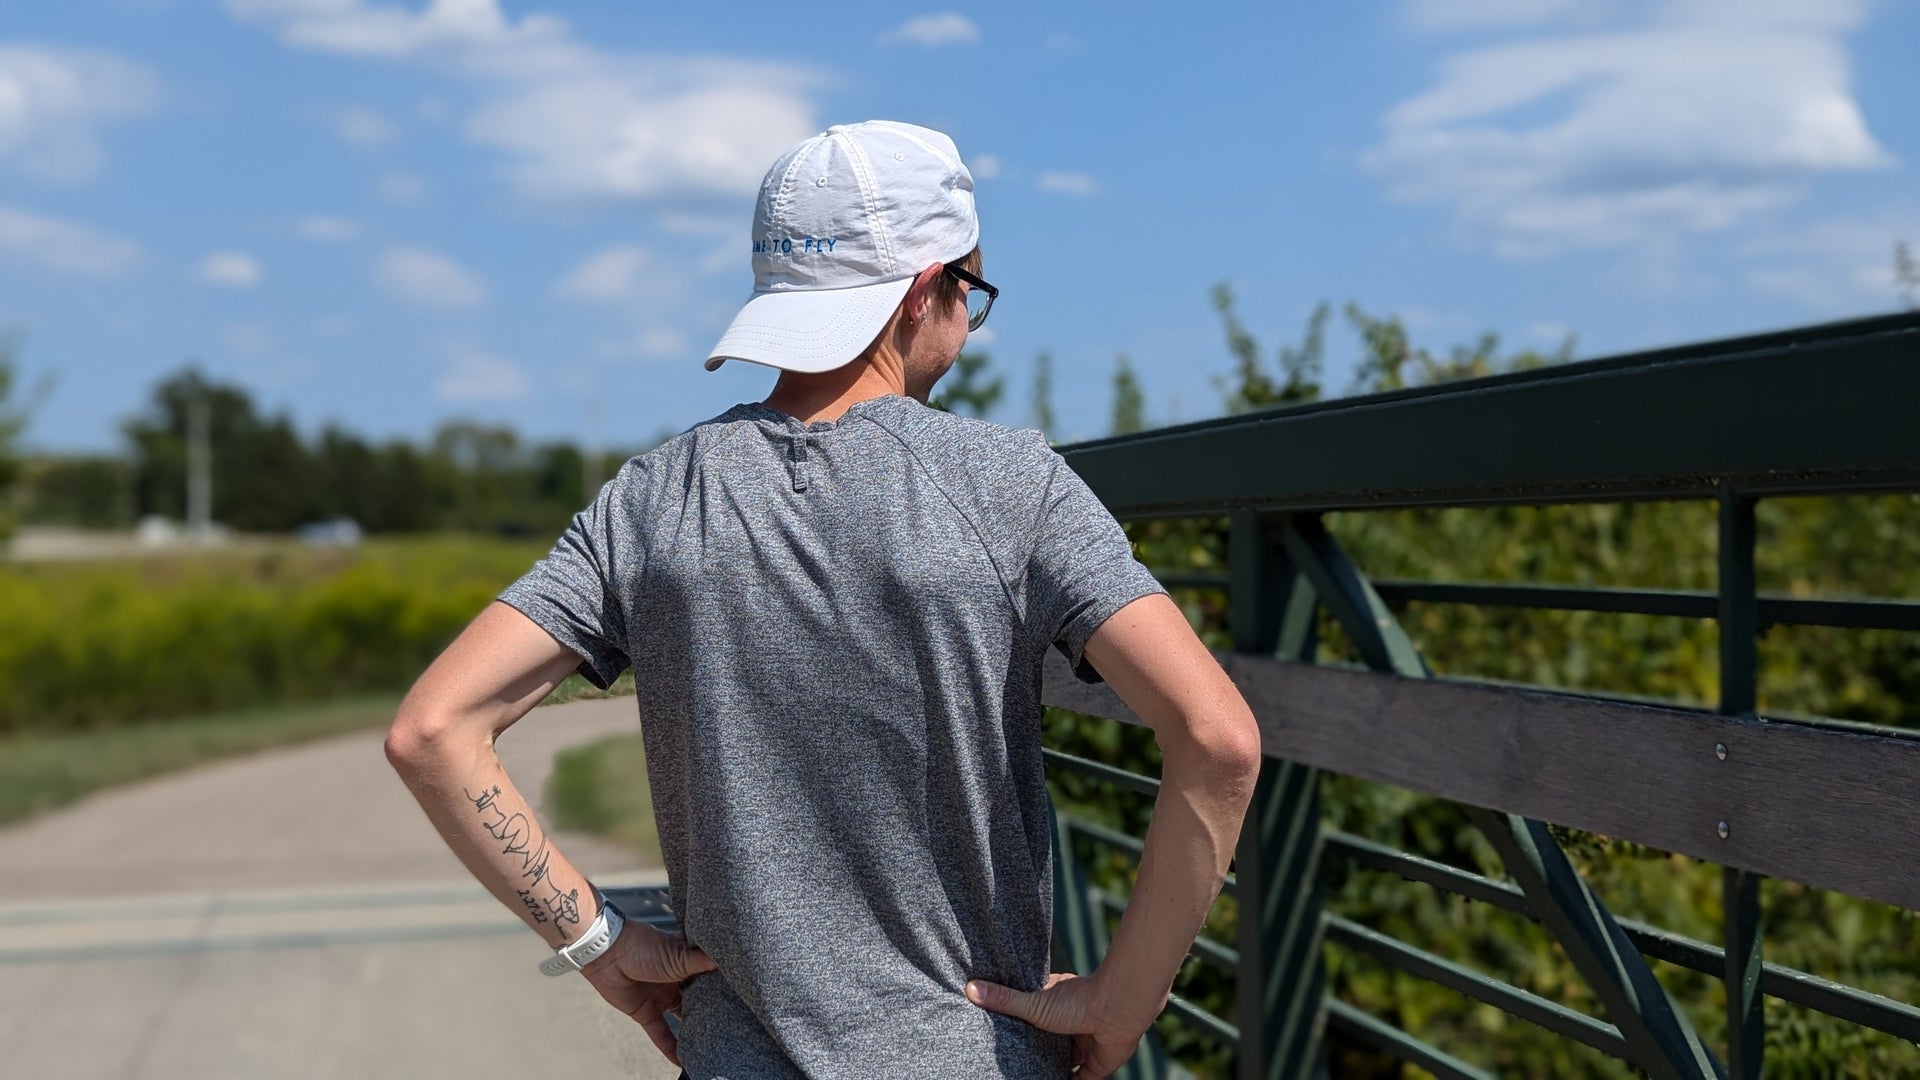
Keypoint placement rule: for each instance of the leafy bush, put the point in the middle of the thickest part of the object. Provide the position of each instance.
(601, 788)
(1808, 547)
(102, 645)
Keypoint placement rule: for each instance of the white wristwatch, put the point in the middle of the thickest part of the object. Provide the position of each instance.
(587, 947)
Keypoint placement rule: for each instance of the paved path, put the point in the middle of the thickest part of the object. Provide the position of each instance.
(293, 914)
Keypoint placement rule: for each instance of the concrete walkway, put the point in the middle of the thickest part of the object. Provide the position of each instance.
(293, 914)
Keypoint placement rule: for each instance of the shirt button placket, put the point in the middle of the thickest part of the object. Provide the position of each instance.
(797, 461)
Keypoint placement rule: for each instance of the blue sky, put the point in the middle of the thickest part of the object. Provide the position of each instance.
(387, 214)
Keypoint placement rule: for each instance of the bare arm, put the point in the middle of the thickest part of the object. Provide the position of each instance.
(442, 745)
(1211, 748)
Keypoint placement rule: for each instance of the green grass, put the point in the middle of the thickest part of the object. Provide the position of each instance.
(575, 688)
(264, 625)
(601, 788)
(40, 772)
(45, 771)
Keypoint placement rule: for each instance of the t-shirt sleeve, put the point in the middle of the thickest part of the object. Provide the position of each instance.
(1082, 570)
(573, 593)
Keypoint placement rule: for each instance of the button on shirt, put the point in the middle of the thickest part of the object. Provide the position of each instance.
(836, 632)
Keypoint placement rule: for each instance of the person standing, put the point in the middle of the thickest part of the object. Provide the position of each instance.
(836, 604)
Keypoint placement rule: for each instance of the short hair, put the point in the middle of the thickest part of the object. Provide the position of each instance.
(945, 289)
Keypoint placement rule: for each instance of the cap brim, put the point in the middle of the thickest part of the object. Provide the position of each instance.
(809, 330)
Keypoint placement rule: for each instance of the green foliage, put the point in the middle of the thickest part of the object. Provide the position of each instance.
(103, 645)
(969, 391)
(1850, 674)
(1250, 388)
(1906, 273)
(1041, 411)
(13, 420)
(266, 479)
(1129, 404)
(41, 772)
(1390, 361)
(1807, 547)
(576, 688)
(86, 491)
(601, 788)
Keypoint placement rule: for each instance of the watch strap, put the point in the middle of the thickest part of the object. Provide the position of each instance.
(588, 947)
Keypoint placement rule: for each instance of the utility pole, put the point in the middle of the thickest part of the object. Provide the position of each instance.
(199, 466)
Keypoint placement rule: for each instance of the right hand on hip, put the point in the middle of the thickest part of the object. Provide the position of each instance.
(1067, 1005)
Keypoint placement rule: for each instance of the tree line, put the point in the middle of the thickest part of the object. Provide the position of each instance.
(483, 477)
(267, 478)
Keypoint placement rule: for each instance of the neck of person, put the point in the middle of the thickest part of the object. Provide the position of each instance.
(824, 395)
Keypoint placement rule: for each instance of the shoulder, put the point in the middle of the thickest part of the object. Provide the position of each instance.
(672, 460)
(962, 446)
(996, 476)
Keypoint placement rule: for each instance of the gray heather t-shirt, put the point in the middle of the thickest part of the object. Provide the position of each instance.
(836, 631)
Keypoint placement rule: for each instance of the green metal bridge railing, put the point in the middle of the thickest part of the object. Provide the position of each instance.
(1826, 409)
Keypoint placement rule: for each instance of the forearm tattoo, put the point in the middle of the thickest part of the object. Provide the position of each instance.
(542, 898)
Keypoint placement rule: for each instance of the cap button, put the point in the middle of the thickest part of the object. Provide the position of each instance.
(836, 129)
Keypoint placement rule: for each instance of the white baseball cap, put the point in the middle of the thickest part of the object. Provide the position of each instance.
(844, 222)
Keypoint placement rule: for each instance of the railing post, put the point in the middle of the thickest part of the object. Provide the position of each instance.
(1739, 889)
(1663, 1041)
(1282, 977)
(1080, 939)
(1076, 934)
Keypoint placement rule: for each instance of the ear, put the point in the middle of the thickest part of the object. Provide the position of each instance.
(920, 295)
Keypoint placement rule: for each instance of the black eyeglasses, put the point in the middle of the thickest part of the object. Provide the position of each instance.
(980, 296)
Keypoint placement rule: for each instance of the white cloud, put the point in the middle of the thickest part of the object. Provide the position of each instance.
(281, 373)
(471, 374)
(681, 223)
(53, 100)
(63, 247)
(1078, 184)
(249, 339)
(661, 342)
(358, 125)
(580, 139)
(1693, 122)
(951, 28)
(1485, 15)
(333, 325)
(574, 122)
(652, 342)
(984, 167)
(724, 259)
(1547, 332)
(1834, 266)
(402, 187)
(647, 296)
(1658, 270)
(616, 275)
(233, 269)
(1426, 320)
(357, 28)
(428, 279)
(327, 229)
